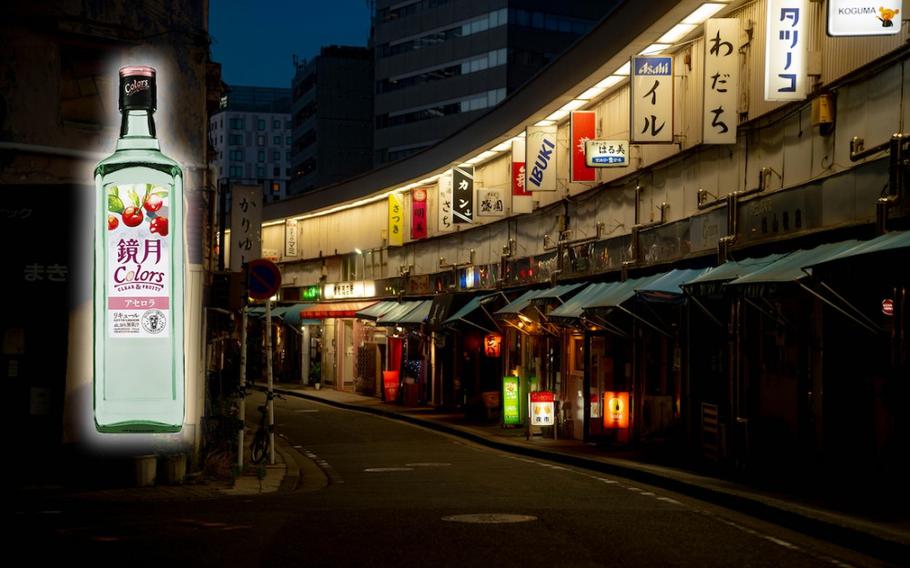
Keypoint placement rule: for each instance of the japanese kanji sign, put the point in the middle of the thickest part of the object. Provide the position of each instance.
(396, 220)
(863, 18)
(582, 128)
(651, 99)
(290, 237)
(419, 213)
(786, 50)
(607, 153)
(541, 157)
(491, 202)
(246, 225)
(721, 80)
(463, 190)
(444, 209)
(522, 199)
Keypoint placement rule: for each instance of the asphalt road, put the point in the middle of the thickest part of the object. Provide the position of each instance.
(399, 495)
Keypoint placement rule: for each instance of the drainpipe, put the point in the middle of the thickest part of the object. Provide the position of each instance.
(731, 200)
(896, 147)
(636, 229)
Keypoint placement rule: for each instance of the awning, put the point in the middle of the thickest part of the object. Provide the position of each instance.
(335, 310)
(440, 308)
(884, 243)
(291, 315)
(476, 303)
(400, 313)
(573, 308)
(710, 282)
(559, 292)
(790, 267)
(379, 308)
(418, 315)
(616, 295)
(518, 304)
(667, 287)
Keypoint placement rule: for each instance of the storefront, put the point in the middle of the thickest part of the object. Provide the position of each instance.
(409, 349)
(340, 332)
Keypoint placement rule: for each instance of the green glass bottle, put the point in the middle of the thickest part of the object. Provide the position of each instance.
(138, 295)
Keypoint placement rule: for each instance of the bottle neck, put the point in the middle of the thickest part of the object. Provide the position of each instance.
(137, 131)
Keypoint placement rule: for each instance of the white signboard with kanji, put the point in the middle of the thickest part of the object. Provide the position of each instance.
(721, 80)
(786, 50)
(445, 223)
(651, 99)
(246, 225)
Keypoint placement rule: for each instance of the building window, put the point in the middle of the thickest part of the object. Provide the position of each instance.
(287, 156)
(235, 139)
(276, 156)
(493, 58)
(236, 155)
(260, 172)
(467, 104)
(261, 156)
(276, 172)
(287, 140)
(276, 140)
(260, 124)
(260, 140)
(276, 124)
(236, 171)
(287, 124)
(236, 123)
(276, 187)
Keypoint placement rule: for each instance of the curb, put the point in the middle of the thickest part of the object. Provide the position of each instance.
(866, 542)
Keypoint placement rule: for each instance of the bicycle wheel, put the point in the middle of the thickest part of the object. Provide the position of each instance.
(259, 447)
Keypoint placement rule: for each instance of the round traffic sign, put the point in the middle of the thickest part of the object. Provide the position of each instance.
(888, 307)
(264, 279)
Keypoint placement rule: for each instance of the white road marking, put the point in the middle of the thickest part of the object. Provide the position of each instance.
(489, 518)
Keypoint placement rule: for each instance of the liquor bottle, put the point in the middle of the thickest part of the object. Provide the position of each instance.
(138, 294)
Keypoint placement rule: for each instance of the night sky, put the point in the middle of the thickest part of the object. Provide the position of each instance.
(254, 41)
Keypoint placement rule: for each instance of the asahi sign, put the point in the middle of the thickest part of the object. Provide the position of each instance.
(540, 169)
(607, 153)
(651, 97)
(858, 18)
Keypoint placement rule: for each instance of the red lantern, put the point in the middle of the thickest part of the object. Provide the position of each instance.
(492, 345)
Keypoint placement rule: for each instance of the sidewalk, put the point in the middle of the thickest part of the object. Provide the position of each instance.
(883, 538)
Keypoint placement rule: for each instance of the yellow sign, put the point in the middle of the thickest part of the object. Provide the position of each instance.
(396, 220)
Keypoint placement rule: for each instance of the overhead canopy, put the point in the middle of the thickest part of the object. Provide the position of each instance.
(667, 287)
(884, 243)
(711, 281)
(616, 295)
(379, 308)
(518, 304)
(789, 268)
(440, 308)
(559, 292)
(573, 308)
(291, 315)
(406, 313)
(464, 314)
(335, 310)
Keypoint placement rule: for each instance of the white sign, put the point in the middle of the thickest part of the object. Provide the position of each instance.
(357, 289)
(491, 202)
(290, 237)
(541, 408)
(721, 80)
(607, 153)
(858, 18)
(786, 50)
(652, 99)
(445, 223)
(246, 225)
(540, 169)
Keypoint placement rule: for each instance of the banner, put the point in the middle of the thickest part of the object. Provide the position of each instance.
(786, 50)
(540, 152)
(246, 225)
(651, 99)
(522, 200)
(721, 81)
(445, 199)
(290, 237)
(396, 220)
(582, 127)
(418, 213)
(463, 183)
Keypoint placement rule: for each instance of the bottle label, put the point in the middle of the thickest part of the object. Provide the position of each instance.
(138, 261)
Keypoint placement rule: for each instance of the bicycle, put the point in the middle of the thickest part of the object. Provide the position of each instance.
(259, 447)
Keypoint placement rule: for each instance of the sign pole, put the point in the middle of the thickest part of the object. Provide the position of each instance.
(268, 370)
(242, 414)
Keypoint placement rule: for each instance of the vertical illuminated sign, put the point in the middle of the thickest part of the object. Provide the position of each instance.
(522, 198)
(542, 403)
(511, 401)
(616, 410)
(786, 50)
(582, 128)
(444, 208)
(540, 153)
(396, 220)
(651, 99)
(463, 193)
(290, 237)
(721, 80)
(419, 213)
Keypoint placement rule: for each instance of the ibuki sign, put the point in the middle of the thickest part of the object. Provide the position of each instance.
(859, 18)
(786, 50)
(607, 153)
(541, 155)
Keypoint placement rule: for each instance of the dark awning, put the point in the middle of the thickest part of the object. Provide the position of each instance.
(402, 313)
(379, 308)
(884, 243)
(615, 296)
(463, 316)
(572, 309)
(520, 303)
(710, 282)
(789, 268)
(291, 315)
(334, 310)
(439, 310)
(667, 287)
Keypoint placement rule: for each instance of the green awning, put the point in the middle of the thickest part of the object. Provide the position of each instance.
(557, 292)
(418, 315)
(790, 267)
(397, 313)
(667, 287)
(883, 243)
(518, 304)
(291, 315)
(379, 308)
(617, 295)
(573, 308)
(466, 309)
(712, 280)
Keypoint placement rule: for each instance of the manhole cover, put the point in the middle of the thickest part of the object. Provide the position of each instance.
(489, 518)
(428, 464)
(382, 469)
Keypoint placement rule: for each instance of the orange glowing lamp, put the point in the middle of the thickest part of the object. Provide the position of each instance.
(616, 409)
(492, 345)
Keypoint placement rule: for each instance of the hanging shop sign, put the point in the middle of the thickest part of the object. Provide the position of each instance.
(651, 99)
(463, 193)
(491, 203)
(445, 200)
(888, 307)
(540, 152)
(310, 293)
(863, 18)
(582, 128)
(542, 413)
(511, 402)
(419, 213)
(522, 199)
(719, 118)
(246, 225)
(786, 50)
(616, 411)
(607, 153)
(492, 345)
(396, 220)
(290, 237)
(356, 289)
